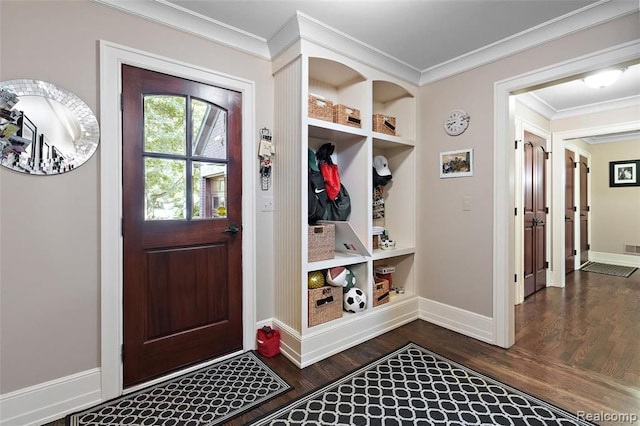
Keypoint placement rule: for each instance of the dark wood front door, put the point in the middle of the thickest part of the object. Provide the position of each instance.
(584, 211)
(569, 212)
(182, 191)
(535, 214)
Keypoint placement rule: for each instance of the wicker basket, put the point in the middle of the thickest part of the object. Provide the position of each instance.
(325, 304)
(346, 115)
(322, 242)
(381, 290)
(320, 108)
(384, 124)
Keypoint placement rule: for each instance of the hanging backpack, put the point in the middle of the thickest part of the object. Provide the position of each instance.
(340, 208)
(329, 170)
(317, 194)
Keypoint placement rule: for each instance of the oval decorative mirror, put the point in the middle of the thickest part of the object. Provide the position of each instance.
(44, 129)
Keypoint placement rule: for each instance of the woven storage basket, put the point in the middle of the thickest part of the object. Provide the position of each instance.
(322, 242)
(381, 290)
(384, 124)
(320, 108)
(346, 115)
(325, 304)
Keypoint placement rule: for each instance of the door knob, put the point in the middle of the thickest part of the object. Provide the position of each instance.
(232, 229)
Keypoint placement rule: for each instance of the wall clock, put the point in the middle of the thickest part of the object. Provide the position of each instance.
(457, 122)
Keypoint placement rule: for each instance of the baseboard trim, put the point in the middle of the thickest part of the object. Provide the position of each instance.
(614, 259)
(51, 400)
(459, 320)
(316, 346)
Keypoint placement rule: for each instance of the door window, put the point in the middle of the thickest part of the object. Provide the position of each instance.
(185, 167)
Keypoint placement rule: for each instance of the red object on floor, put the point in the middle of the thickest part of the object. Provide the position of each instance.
(268, 341)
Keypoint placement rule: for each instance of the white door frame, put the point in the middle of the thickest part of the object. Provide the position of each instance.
(522, 126)
(112, 56)
(504, 259)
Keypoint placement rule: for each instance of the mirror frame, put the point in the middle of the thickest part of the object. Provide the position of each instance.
(87, 143)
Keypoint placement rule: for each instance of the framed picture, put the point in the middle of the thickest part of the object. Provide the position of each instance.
(456, 163)
(624, 173)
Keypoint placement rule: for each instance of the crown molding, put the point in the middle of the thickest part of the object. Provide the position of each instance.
(589, 16)
(304, 27)
(174, 16)
(536, 104)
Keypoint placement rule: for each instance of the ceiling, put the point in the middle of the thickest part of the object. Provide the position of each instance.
(426, 36)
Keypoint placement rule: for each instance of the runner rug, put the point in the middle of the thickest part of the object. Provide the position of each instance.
(413, 386)
(205, 397)
(603, 268)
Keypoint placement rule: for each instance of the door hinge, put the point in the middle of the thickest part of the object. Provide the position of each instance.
(546, 265)
(588, 246)
(515, 211)
(588, 208)
(575, 164)
(588, 169)
(575, 209)
(546, 210)
(515, 144)
(575, 252)
(515, 278)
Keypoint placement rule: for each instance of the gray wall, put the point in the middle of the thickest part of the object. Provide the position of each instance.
(50, 226)
(456, 246)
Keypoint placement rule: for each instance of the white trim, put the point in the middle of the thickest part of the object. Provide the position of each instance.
(51, 400)
(364, 326)
(628, 102)
(589, 16)
(302, 26)
(112, 56)
(176, 17)
(615, 259)
(459, 320)
(503, 224)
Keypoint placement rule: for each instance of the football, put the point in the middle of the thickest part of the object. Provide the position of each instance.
(337, 276)
(354, 300)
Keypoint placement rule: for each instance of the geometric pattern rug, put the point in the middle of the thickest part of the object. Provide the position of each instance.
(603, 268)
(414, 386)
(205, 397)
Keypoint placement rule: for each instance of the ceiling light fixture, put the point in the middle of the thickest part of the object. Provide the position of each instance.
(603, 79)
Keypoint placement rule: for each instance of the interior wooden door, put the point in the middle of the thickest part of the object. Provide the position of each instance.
(584, 210)
(535, 214)
(569, 212)
(182, 192)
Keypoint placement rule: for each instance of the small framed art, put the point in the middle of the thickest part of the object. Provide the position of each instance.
(624, 173)
(456, 163)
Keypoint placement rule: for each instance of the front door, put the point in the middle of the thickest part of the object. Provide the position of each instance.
(182, 190)
(584, 211)
(569, 212)
(535, 214)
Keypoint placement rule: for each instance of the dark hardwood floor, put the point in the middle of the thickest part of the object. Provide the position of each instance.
(577, 348)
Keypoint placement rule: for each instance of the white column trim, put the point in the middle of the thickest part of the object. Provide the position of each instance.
(112, 56)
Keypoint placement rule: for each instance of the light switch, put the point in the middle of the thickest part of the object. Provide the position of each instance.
(266, 204)
(466, 203)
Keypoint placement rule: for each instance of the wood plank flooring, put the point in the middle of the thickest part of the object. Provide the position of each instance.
(577, 348)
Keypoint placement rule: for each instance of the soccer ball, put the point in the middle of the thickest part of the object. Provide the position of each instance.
(354, 300)
(337, 276)
(315, 279)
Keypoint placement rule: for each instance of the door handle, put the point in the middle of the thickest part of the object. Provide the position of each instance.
(232, 229)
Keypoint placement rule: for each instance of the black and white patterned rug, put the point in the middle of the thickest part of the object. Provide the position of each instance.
(413, 386)
(205, 397)
(604, 268)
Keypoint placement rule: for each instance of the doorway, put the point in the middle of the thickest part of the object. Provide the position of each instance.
(112, 56)
(182, 287)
